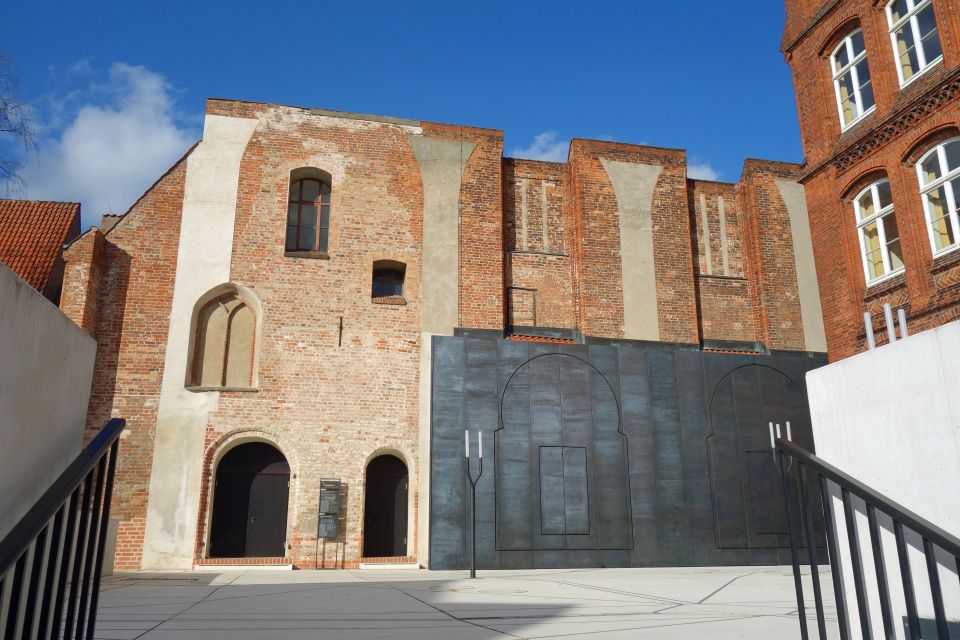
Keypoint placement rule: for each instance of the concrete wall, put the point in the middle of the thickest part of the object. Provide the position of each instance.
(891, 418)
(45, 375)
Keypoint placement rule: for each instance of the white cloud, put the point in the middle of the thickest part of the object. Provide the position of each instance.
(122, 137)
(545, 146)
(702, 171)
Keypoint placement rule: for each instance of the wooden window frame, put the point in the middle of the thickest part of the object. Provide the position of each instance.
(323, 215)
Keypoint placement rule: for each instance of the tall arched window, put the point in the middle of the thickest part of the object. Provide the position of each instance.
(913, 31)
(877, 228)
(939, 172)
(224, 342)
(851, 79)
(308, 211)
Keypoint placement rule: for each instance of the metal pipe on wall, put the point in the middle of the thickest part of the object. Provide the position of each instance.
(868, 324)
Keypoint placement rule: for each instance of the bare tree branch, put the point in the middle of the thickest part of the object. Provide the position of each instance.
(16, 129)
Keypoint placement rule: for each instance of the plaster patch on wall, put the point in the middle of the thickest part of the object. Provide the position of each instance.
(705, 235)
(441, 170)
(811, 313)
(634, 185)
(282, 118)
(203, 262)
(724, 252)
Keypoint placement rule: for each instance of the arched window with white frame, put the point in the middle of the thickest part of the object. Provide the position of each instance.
(878, 232)
(913, 32)
(939, 173)
(851, 79)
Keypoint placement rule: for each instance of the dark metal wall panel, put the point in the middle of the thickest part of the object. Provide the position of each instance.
(638, 426)
(683, 480)
(671, 511)
(480, 410)
(513, 456)
(447, 463)
(696, 471)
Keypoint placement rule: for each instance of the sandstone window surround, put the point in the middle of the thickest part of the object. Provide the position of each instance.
(851, 79)
(878, 232)
(913, 32)
(939, 174)
(388, 282)
(308, 213)
(224, 333)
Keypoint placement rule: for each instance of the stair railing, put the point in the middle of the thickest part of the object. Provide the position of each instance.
(808, 480)
(51, 562)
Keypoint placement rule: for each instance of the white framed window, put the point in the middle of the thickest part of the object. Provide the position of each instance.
(851, 79)
(878, 232)
(939, 172)
(913, 31)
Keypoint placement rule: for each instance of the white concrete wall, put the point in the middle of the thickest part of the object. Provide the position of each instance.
(891, 418)
(46, 366)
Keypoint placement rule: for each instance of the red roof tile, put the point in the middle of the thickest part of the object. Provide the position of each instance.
(33, 233)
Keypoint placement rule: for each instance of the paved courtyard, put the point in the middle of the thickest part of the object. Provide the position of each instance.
(715, 603)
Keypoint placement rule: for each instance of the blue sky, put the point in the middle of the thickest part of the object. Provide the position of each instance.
(118, 88)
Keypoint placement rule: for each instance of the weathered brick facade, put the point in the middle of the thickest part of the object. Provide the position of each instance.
(616, 243)
(886, 143)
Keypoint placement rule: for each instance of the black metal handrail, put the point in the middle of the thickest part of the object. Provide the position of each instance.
(796, 464)
(52, 560)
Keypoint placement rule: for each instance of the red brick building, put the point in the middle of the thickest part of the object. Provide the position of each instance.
(267, 308)
(32, 236)
(877, 86)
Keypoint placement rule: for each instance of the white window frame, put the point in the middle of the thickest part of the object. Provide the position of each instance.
(952, 199)
(914, 7)
(851, 68)
(888, 270)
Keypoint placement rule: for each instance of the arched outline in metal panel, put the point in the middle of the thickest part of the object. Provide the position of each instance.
(625, 438)
(713, 489)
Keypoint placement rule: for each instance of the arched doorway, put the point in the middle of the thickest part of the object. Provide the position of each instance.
(250, 503)
(385, 508)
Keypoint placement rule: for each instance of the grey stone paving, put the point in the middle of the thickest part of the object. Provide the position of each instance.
(595, 604)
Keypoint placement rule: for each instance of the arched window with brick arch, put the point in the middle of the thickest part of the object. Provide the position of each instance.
(916, 41)
(308, 211)
(851, 79)
(939, 174)
(224, 332)
(878, 231)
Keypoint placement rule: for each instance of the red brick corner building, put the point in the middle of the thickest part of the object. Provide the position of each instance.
(878, 91)
(268, 307)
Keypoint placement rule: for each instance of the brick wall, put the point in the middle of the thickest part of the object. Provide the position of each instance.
(329, 406)
(599, 268)
(724, 293)
(537, 264)
(330, 401)
(132, 297)
(481, 303)
(885, 143)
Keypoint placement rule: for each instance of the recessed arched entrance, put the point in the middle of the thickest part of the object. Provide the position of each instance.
(385, 508)
(250, 503)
